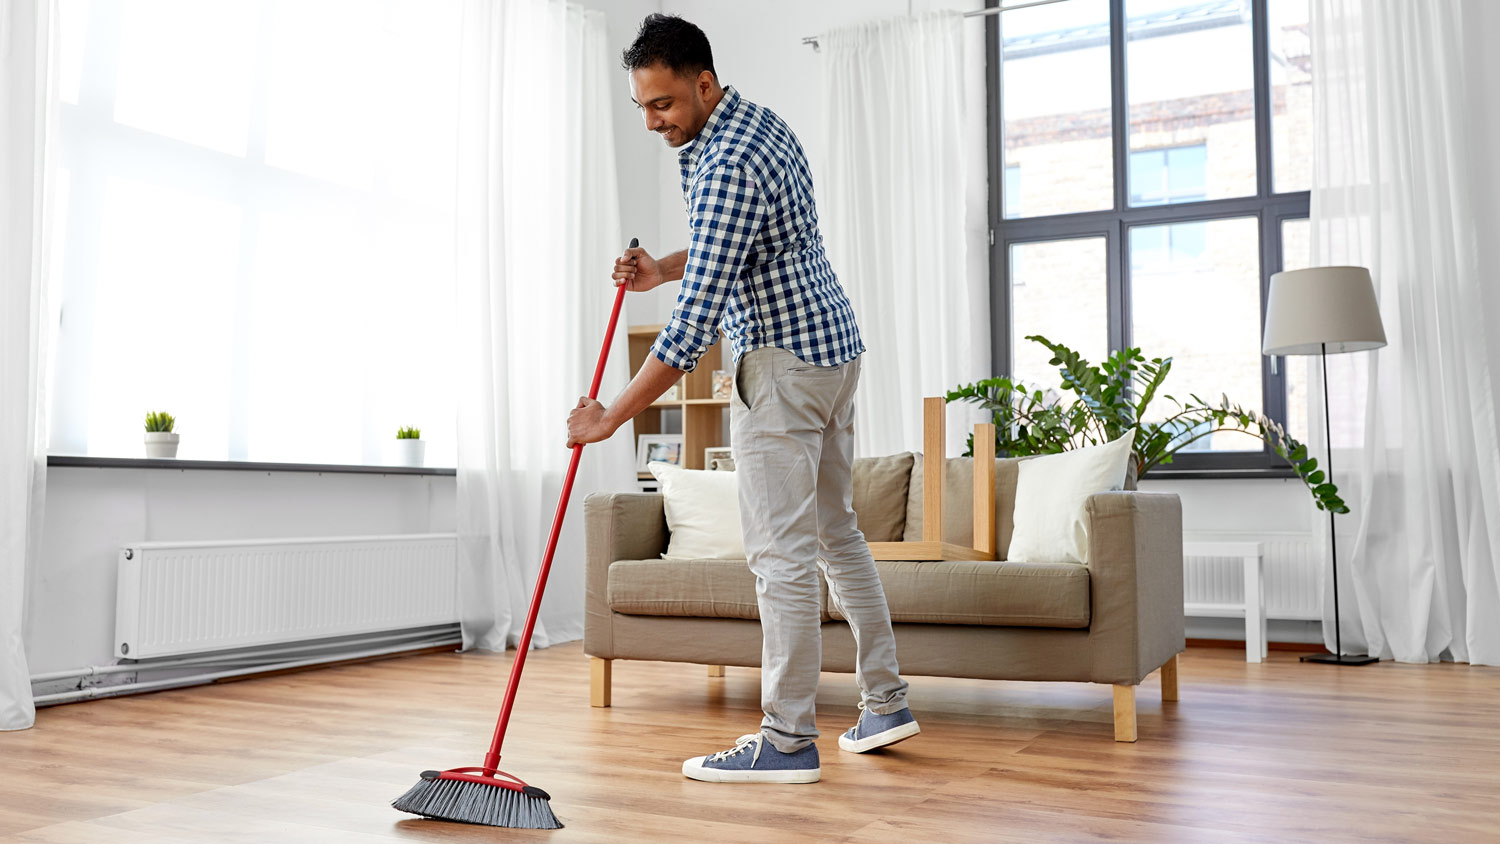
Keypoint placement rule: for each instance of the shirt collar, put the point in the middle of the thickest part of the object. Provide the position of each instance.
(693, 150)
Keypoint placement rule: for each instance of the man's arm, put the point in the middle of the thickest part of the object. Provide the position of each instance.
(653, 379)
(673, 265)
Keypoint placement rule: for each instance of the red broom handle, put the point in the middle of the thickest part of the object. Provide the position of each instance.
(492, 758)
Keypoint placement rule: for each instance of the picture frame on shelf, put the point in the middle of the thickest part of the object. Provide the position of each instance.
(723, 384)
(657, 448)
(713, 455)
(674, 392)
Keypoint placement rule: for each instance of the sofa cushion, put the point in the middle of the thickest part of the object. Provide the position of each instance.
(994, 594)
(1051, 493)
(691, 588)
(703, 513)
(880, 491)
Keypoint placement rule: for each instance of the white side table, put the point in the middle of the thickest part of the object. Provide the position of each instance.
(1253, 610)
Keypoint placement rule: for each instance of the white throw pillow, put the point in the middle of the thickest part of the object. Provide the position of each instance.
(703, 513)
(1051, 492)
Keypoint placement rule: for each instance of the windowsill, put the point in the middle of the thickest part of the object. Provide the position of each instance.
(1160, 474)
(238, 465)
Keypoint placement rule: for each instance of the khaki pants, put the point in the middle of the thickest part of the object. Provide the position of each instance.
(793, 436)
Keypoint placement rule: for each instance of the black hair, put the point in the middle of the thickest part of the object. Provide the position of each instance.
(672, 41)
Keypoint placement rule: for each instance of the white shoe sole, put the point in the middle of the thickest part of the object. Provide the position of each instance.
(693, 769)
(885, 739)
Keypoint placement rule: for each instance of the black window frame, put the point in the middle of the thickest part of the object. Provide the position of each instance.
(1270, 209)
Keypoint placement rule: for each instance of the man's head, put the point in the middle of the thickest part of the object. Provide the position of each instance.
(672, 79)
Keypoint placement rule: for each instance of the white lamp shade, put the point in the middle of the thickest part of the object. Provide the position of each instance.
(1329, 309)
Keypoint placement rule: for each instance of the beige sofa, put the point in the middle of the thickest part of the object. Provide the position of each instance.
(1113, 621)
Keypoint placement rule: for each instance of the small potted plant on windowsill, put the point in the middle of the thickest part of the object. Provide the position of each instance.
(160, 440)
(410, 447)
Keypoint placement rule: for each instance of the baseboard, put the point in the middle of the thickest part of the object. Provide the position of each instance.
(1230, 644)
(261, 675)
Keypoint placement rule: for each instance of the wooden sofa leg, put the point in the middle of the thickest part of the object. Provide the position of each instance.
(1124, 712)
(599, 681)
(716, 671)
(1169, 679)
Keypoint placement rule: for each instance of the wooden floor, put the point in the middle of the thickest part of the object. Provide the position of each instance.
(1278, 752)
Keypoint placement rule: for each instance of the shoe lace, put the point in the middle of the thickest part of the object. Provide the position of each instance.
(741, 744)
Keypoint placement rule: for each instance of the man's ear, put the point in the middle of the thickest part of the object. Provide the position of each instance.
(706, 83)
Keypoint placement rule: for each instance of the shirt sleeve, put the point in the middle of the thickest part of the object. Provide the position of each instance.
(725, 213)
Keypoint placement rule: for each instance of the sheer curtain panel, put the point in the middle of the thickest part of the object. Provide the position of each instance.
(27, 123)
(902, 227)
(538, 226)
(1406, 124)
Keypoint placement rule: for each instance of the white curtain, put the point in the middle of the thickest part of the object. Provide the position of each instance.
(898, 218)
(1406, 123)
(27, 129)
(538, 226)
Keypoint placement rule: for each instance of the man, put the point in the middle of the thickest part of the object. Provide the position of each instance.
(756, 267)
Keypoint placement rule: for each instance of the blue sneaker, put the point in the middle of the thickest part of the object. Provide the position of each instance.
(754, 759)
(874, 730)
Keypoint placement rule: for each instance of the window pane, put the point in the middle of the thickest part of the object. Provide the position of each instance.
(1058, 290)
(1202, 309)
(313, 299)
(167, 262)
(187, 69)
(322, 106)
(1291, 95)
(73, 20)
(1296, 254)
(1189, 84)
(1055, 99)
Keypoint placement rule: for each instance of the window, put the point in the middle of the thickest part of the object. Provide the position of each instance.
(1174, 174)
(1167, 167)
(256, 199)
(1013, 190)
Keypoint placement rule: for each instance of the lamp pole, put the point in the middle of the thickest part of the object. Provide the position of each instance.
(1337, 657)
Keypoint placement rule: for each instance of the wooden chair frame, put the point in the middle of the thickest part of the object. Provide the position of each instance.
(934, 442)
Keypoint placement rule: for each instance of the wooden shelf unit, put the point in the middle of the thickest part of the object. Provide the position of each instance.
(703, 416)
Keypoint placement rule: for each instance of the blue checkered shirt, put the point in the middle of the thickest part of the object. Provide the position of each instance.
(756, 264)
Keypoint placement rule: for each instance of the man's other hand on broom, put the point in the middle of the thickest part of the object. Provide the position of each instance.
(590, 421)
(640, 272)
(587, 424)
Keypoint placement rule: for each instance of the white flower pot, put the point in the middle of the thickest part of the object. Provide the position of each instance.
(410, 452)
(161, 444)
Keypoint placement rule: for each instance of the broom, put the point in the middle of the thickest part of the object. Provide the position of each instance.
(486, 795)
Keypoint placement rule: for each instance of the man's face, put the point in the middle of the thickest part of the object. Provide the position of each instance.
(674, 106)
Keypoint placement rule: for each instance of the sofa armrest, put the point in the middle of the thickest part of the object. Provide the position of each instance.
(619, 526)
(1135, 568)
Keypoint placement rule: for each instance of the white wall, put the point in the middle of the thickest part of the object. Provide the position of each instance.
(639, 156)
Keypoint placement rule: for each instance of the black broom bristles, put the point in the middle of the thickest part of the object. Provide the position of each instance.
(473, 802)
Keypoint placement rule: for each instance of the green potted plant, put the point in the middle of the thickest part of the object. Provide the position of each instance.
(411, 450)
(160, 439)
(1111, 399)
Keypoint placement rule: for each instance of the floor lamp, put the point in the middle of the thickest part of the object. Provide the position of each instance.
(1323, 311)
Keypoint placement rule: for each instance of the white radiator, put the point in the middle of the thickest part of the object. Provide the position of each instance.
(190, 597)
(1292, 568)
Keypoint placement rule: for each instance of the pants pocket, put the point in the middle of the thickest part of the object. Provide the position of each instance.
(737, 391)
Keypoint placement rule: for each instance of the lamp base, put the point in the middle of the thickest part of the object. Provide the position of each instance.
(1337, 659)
